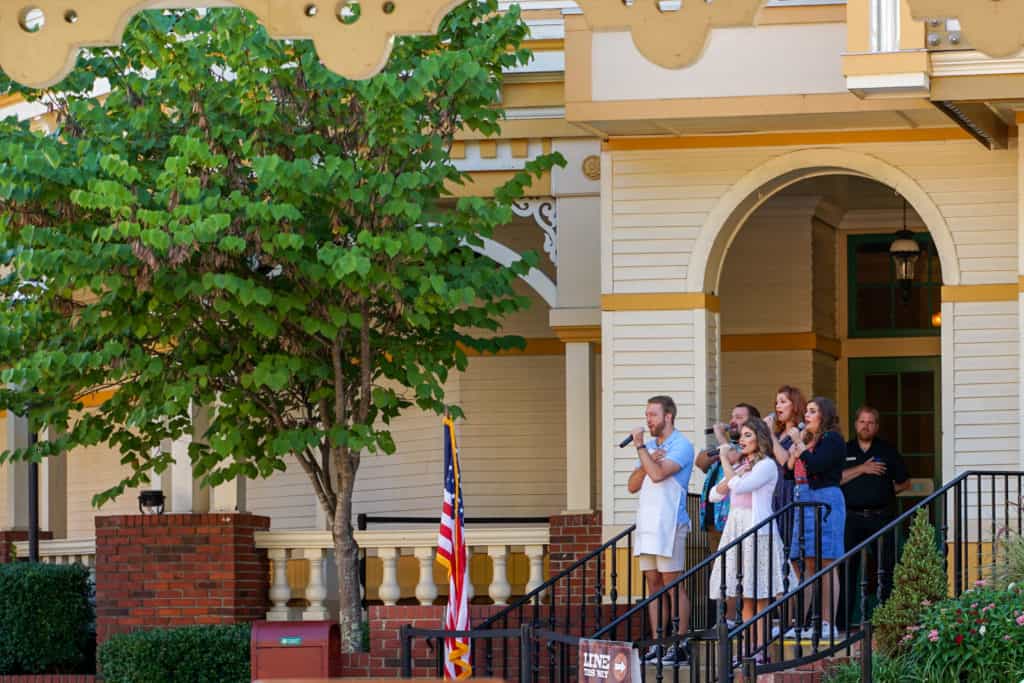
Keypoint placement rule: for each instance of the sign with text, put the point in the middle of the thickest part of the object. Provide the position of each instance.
(608, 661)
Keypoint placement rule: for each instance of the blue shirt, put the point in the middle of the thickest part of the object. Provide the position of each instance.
(678, 449)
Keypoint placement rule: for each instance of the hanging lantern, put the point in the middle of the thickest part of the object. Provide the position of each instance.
(904, 252)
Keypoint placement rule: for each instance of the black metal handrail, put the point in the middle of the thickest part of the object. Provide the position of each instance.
(959, 487)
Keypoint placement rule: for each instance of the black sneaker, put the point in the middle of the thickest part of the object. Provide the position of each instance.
(675, 655)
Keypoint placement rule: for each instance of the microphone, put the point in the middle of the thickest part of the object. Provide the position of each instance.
(625, 442)
(787, 441)
(709, 431)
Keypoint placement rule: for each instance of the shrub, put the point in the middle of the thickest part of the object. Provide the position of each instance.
(977, 637)
(47, 624)
(919, 579)
(1009, 565)
(883, 670)
(190, 654)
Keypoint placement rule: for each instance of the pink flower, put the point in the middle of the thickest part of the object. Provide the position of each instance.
(980, 582)
(926, 602)
(933, 635)
(1020, 620)
(987, 607)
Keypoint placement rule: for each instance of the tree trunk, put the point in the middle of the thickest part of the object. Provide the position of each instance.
(346, 556)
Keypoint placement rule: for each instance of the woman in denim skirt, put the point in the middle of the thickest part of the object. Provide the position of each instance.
(816, 460)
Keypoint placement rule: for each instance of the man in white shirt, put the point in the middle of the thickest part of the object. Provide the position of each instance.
(662, 477)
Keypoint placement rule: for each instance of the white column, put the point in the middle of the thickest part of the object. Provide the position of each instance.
(316, 591)
(389, 590)
(229, 496)
(500, 589)
(947, 426)
(17, 474)
(280, 591)
(579, 426)
(535, 553)
(53, 491)
(426, 589)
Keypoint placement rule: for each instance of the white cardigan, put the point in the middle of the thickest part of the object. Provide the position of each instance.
(760, 483)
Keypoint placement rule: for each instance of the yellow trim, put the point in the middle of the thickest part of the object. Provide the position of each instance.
(978, 87)
(578, 333)
(683, 301)
(488, 149)
(1018, 117)
(530, 128)
(912, 32)
(624, 144)
(741, 106)
(458, 150)
(520, 149)
(10, 100)
(97, 398)
(533, 95)
(1020, 283)
(812, 14)
(536, 346)
(887, 348)
(578, 59)
(977, 293)
(795, 341)
(858, 25)
(886, 63)
(484, 183)
(545, 44)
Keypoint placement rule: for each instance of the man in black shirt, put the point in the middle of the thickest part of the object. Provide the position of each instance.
(874, 473)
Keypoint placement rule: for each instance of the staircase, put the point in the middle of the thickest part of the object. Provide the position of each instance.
(534, 640)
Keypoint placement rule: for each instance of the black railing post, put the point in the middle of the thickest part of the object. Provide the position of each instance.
(865, 654)
(406, 650)
(724, 650)
(958, 523)
(525, 653)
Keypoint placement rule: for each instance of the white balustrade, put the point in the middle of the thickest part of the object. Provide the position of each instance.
(316, 590)
(500, 589)
(64, 551)
(389, 546)
(280, 591)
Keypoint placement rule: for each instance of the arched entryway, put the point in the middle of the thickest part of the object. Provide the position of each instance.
(797, 254)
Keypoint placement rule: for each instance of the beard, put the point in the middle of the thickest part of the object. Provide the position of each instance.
(734, 433)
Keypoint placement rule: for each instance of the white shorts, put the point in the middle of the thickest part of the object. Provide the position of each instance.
(675, 563)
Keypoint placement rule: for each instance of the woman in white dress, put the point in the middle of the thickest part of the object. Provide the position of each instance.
(750, 483)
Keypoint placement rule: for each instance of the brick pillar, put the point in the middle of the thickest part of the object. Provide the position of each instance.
(10, 536)
(572, 537)
(178, 569)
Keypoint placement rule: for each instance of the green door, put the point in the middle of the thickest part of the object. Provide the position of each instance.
(906, 393)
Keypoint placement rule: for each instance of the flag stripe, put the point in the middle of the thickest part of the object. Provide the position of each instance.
(452, 554)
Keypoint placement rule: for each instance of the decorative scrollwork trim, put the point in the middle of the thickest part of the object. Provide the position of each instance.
(544, 212)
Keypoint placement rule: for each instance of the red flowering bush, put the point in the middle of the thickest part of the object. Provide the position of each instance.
(977, 637)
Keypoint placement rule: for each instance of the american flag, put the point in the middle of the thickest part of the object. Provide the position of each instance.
(451, 552)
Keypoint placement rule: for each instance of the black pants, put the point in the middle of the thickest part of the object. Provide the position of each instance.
(859, 526)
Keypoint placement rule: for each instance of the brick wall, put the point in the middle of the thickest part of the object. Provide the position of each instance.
(9, 536)
(491, 661)
(572, 537)
(178, 569)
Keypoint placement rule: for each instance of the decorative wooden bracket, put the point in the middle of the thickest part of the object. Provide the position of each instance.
(40, 39)
(995, 27)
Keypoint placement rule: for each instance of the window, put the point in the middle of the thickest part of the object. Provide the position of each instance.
(880, 306)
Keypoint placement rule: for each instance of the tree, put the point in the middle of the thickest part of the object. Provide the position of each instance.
(918, 580)
(236, 226)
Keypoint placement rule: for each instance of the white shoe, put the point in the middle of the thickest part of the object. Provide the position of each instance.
(651, 655)
(796, 633)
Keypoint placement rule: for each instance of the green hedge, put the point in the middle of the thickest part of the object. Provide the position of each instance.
(47, 623)
(190, 654)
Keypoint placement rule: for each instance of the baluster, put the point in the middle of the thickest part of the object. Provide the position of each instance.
(469, 588)
(316, 590)
(389, 590)
(280, 591)
(598, 592)
(978, 540)
(426, 589)
(535, 553)
(992, 513)
(500, 589)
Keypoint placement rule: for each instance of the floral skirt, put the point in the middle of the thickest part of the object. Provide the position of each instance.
(762, 572)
